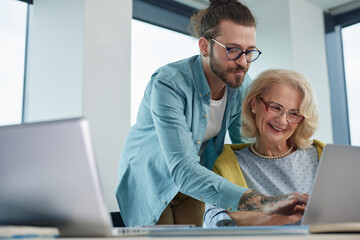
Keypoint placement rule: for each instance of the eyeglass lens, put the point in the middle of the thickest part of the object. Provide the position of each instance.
(235, 53)
(277, 110)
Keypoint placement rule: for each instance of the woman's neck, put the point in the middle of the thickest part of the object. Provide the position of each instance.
(271, 149)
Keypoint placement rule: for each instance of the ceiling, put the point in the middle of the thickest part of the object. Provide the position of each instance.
(334, 7)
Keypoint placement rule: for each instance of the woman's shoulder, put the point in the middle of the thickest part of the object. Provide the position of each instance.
(319, 146)
(236, 147)
(226, 164)
(227, 158)
(318, 143)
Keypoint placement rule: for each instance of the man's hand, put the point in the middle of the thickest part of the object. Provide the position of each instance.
(262, 219)
(286, 205)
(295, 203)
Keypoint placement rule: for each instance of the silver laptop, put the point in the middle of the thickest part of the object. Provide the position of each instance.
(336, 193)
(48, 177)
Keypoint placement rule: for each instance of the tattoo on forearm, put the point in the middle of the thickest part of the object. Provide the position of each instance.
(249, 207)
(272, 199)
(249, 196)
(248, 202)
(255, 201)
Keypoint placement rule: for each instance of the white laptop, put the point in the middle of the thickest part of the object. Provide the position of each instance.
(48, 177)
(334, 202)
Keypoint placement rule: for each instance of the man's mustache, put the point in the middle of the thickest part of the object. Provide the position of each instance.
(239, 68)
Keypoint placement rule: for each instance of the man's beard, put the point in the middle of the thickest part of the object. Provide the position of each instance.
(221, 72)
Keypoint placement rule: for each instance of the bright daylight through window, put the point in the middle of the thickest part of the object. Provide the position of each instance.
(13, 16)
(351, 47)
(151, 48)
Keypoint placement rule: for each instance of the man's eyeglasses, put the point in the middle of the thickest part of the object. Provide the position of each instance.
(234, 53)
(276, 110)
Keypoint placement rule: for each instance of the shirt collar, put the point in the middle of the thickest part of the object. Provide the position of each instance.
(201, 83)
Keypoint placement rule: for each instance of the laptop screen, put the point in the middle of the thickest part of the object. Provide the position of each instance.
(49, 177)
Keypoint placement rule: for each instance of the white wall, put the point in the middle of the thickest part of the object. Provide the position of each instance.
(290, 33)
(79, 65)
(309, 58)
(273, 36)
(107, 44)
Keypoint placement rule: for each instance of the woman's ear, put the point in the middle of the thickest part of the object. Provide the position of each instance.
(252, 104)
(203, 46)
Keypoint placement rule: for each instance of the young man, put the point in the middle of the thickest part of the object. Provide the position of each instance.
(165, 168)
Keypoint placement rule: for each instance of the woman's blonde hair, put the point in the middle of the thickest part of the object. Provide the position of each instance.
(262, 85)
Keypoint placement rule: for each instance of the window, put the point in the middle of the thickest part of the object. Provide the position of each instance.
(343, 57)
(351, 51)
(13, 21)
(151, 48)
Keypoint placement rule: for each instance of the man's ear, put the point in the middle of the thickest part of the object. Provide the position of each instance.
(203, 46)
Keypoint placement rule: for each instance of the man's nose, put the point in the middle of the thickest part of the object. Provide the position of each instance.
(241, 60)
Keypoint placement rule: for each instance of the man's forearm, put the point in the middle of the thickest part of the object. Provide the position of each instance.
(255, 201)
(262, 219)
(286, 205)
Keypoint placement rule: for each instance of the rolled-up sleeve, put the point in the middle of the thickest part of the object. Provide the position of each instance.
(213, 215)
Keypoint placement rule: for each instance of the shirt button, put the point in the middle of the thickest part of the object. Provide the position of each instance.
(197, 141)
(164, 203)
(200, 199)
(207, 94)
(200, 94)
(229, 208)
(153, 221)
(205, 116)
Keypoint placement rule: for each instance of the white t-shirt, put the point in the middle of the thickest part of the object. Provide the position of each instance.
(216, 116)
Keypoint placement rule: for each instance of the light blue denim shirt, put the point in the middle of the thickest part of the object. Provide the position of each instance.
(160, 155)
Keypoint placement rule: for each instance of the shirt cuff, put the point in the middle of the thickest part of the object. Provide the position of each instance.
(229, 196)
(211, 221)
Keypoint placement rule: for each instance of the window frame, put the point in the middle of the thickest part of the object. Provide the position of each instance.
(25, 60)
(27, 1)
(336, 71)
(165, 13)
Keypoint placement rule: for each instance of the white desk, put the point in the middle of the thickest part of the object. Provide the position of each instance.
(284, 237)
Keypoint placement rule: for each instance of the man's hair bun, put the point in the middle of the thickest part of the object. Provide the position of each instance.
(221, 2)
(205, 22)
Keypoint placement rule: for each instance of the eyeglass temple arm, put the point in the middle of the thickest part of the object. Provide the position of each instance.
(220, 44)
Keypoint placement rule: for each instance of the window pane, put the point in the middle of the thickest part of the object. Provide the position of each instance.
(151, 48)
(12, 48)
(351, 47)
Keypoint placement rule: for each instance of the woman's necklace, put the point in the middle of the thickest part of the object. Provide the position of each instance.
(270, 157)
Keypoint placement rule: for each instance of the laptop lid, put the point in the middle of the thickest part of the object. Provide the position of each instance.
(335, 196)
(48, 177)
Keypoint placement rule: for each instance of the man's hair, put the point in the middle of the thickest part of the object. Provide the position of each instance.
(262, 85)
(205, 23)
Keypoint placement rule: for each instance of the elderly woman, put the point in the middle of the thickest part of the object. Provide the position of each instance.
(279, 113)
